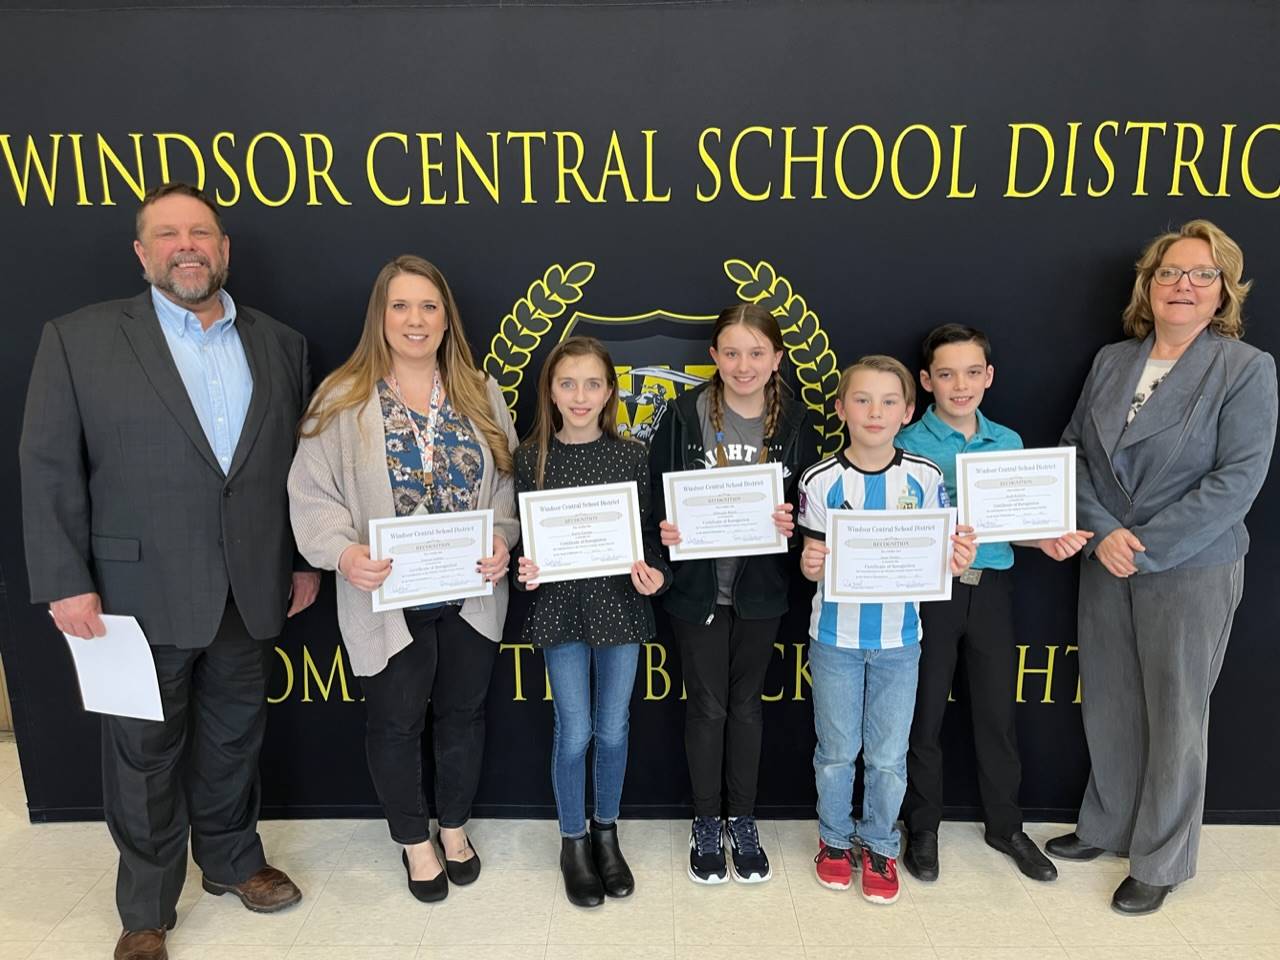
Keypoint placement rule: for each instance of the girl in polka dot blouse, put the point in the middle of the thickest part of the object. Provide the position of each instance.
(593, 626)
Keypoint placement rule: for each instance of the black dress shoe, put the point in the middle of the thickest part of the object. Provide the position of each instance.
(463, 872)
(921, 858)
(428, 891)
(1134, 898)
(581, 882)
(607, 856)
(1025, 854)
(1071, 847)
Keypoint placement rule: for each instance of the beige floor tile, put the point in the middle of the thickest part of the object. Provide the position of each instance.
(975, 920)
(1257, 951)
(576, 951)
(379, 854)
(34, 901)
(516, 844)
(95, 918)
(725, 951)
(480, 951)
(503, 906)
(797, 844)
(1169, 952)
(1000, 953)
(964, 883)
(86, 845)
(305, 844)
(1224, 908)
(17, 949)
(1268, 880)
(13, 797)
(1247, 846)
(1078, 910)
(962, 845)
(734, 913)
(224, 920)
(15, 837)
(205, 951)
(857, 952)
(350, 952)
(365, 908)
(644, 918)
(647, 843)
(835, 918)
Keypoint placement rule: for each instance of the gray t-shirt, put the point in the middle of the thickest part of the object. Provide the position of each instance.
(743, 438)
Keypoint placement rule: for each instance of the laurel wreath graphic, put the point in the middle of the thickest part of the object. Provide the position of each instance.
(529, 321)
(532, 318)
(806, 342)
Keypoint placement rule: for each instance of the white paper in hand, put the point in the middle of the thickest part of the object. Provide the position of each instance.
(117, 673)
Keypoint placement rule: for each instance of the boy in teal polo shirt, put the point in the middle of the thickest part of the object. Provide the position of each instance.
(976, 623)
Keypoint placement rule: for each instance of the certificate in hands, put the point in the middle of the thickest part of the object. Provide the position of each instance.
(572, 533)
(888, 556)
(1017, 494)
(435, 557)
(725, 512)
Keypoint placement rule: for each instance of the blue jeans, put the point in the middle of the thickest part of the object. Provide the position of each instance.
(862, 700)
(584, 714)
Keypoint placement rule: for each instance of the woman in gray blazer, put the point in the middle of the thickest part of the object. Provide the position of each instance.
(1174, 430)
(409, 425)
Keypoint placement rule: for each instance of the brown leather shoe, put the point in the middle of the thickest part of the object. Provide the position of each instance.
(266, 891)
(141, 945)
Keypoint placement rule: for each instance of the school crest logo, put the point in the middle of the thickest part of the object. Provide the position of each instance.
(660, 354)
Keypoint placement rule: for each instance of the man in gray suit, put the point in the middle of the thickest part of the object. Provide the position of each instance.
(155, 447)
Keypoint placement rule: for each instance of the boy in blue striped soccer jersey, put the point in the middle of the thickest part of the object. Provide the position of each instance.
(863, 657)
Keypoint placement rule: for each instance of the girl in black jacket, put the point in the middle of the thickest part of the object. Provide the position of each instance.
(725, 613)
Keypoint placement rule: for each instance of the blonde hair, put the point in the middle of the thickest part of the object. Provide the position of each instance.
(1228, 319)
(758, 319)
(352, 384)
(882, 364)
(548, 419)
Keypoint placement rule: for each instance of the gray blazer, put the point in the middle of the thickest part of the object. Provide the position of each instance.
(122, 494)
(1184, 473)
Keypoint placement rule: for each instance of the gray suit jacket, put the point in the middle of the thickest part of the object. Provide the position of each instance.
(1184, 473)
(122, 494)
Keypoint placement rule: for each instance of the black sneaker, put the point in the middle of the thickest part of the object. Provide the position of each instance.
(706, 852)
(750, 865)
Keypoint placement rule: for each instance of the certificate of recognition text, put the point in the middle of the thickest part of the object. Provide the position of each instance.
(725, 512)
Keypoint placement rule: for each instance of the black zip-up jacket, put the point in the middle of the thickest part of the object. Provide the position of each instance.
(760, 590)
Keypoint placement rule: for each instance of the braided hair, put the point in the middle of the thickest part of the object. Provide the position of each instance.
(758, 319)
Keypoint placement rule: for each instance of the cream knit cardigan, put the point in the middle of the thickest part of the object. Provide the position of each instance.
(339, 482)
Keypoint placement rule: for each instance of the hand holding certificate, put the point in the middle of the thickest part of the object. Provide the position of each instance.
(726, 512)
(1017, 494)
(578, 532)
(436, 557)
(888, 556)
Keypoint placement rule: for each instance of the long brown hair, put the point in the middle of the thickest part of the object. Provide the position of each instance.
(757, 318)
(549, 420)
(353, 383)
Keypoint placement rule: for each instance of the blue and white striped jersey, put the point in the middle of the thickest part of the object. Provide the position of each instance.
(908, 483)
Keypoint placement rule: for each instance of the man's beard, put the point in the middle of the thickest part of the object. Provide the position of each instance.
(193, 292)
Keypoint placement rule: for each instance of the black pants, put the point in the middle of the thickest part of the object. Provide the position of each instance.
(724, 664)
(977, 622)
(448, 664)
(193, 774)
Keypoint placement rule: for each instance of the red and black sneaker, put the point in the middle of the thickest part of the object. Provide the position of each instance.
(835, 869)
(879, 877)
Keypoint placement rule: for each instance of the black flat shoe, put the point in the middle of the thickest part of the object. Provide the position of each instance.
(1071, 847)
(612, 869)
(581, 882)
(1024, 852)
(1134, 898)
(463, 872)
(427, 891)
(921, 858)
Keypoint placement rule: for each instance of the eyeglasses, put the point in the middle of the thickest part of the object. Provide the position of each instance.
(1200, 276)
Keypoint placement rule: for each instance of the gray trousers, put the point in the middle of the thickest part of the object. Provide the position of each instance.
(1151, 648)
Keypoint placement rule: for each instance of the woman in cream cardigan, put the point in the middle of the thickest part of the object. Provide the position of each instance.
(408, 424)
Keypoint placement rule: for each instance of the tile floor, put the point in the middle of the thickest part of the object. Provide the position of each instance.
(57, 901)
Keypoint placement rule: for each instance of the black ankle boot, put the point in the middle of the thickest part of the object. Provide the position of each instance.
(610, 865)
(581, 882)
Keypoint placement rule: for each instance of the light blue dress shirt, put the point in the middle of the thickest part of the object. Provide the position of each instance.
(931, 437)
(213, 368)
